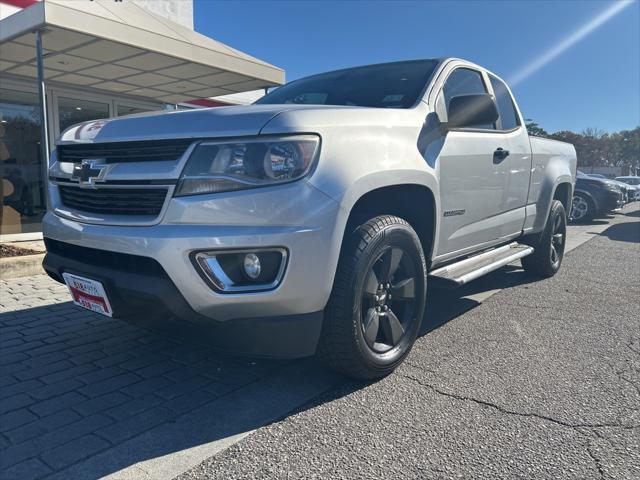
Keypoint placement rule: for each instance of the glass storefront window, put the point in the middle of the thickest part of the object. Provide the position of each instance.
(72, 111)
(22, 201)
(22, 192)
(129, 110)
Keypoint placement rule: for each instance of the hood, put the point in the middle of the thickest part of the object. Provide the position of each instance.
(621, 184)
(242, 120)
(594, 180)
(197, 123)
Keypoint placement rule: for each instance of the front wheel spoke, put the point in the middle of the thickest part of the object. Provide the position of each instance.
(371, 326)
(558, 239)
(392, 328)
(556, 225)
(404, 289)
(390, 262)
(372, 283)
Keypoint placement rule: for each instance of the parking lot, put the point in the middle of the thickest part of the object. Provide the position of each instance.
(517, 377)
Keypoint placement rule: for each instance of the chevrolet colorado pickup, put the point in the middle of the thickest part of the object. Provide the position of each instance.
(312, 220)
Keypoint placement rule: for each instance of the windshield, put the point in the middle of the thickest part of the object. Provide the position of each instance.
(388, 85)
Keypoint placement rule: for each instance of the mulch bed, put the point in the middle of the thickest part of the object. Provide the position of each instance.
(11, 251)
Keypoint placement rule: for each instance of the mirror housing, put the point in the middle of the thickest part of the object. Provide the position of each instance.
(470, 110)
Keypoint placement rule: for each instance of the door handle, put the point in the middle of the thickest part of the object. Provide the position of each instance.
(500, 154)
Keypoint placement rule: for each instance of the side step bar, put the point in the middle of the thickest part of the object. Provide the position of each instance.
(459, 273)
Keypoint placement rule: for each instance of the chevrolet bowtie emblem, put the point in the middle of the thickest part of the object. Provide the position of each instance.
(89, 172)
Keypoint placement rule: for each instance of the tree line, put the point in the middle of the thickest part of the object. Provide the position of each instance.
(596, 148)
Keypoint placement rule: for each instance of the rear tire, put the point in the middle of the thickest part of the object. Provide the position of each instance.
(375, 310)
(548, 250)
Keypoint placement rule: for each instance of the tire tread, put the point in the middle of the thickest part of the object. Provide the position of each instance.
(336, 346)
(538, 263)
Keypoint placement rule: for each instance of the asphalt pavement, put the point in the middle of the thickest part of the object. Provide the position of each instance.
(542, 380)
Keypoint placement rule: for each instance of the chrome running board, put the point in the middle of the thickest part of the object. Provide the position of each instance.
(457, 274)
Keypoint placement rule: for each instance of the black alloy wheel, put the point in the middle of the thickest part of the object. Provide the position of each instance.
(558, 237)
(375, 310)
(388, 300)
(549, 245)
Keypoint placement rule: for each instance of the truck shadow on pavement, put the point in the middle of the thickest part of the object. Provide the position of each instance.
(84, 396)
(76, 388)
(445, 305)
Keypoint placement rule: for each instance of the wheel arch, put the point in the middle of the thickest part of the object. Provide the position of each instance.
(564, 193)
(415, 203)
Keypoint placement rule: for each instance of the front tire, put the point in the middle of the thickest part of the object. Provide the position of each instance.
(548, 250)
(375, 310)
(582, 208)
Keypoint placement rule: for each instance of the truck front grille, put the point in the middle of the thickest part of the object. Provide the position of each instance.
(114, 201)
(118, 152)
(104, 258)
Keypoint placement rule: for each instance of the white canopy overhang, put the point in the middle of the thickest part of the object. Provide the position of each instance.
(122, 48)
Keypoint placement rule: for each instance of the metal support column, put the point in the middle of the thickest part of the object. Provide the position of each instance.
(44, 125)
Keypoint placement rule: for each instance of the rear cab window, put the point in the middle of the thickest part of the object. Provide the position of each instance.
(506, 108)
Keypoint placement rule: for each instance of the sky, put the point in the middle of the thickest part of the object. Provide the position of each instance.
(575, 63)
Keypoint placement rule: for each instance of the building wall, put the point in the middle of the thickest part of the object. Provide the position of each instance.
(180, 11)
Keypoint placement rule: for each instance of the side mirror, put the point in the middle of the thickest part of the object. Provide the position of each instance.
(471, 110)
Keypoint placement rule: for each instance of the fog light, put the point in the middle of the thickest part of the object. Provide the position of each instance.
(242, 271)
(251, 265)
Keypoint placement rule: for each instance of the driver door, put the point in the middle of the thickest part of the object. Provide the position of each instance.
(472, 184)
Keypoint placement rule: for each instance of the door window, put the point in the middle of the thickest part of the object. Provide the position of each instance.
(506, 108)
(464, 81)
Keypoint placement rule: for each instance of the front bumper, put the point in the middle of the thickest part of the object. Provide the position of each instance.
(139, 287)
(296, 217)
(610, 201)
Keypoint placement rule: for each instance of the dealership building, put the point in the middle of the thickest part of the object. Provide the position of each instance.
(100, 59)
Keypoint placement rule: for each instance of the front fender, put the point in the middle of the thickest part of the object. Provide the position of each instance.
(590, 197)
(376, 180)
(389, 178)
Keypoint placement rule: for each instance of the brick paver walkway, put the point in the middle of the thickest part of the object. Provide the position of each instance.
(74, 384)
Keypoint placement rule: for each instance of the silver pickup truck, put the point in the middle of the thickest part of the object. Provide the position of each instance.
(312, 220)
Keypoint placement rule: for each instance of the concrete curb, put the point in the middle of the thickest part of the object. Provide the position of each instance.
(23, 266)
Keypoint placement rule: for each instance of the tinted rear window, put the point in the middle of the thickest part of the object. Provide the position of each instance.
(506, 108)
(389, 85)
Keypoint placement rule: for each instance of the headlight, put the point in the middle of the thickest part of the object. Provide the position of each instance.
(613, 187)
(225, 166)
